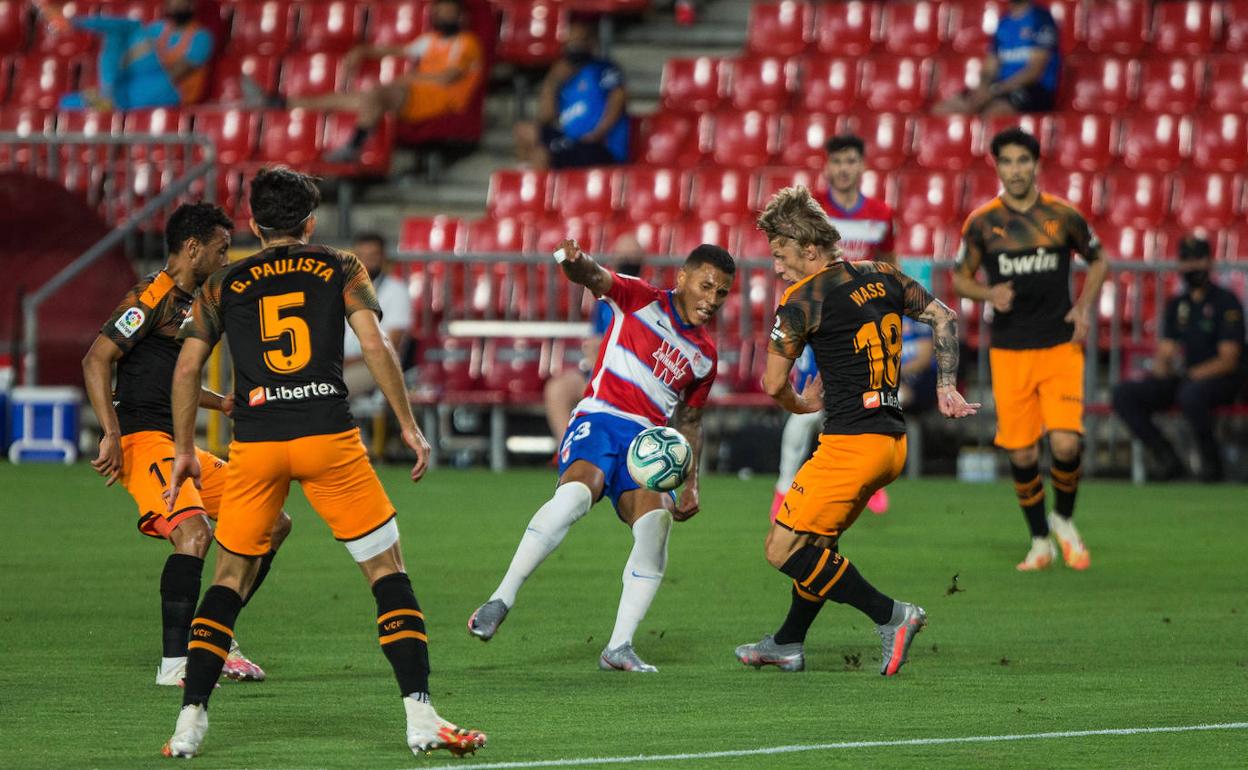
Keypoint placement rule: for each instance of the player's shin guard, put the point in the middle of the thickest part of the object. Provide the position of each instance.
(824, 573)
(545, 532)
(643, 573)
(802, 613)
(401, 631)
(179, 590)
(266, 563)
(1065, 475)
(211, 633)
(1030, 491)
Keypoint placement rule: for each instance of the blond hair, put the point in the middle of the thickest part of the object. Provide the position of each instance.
(794, 215)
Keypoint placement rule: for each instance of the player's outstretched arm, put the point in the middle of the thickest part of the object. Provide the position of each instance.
(580, 268)
(944, 323)
(210, 399)
(383, 363)
(97, 377)
(688, 420)
(185, 400)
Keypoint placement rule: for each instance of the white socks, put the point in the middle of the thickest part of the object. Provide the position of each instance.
(795, 446)
(643, 572)
(545, 532)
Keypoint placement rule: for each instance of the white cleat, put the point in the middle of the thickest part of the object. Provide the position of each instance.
(1074, 552)
(171, 672)
(1041, 556)
(427, 732)
(188, 733)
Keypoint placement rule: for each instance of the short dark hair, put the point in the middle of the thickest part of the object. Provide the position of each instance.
(282, 200)
(371, 236)
(1016, 136)
(194, 220)
(846, 142)
(716, 257)
(1194, 247)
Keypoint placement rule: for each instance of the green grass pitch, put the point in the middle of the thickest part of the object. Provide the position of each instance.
(1155, 634)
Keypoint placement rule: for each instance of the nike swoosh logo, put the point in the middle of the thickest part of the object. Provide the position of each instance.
(645, 577)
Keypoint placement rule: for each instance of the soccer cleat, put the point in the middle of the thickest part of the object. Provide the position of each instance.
(427, 732)
(1074, 552)
(188, 733)
(878, 504)
(1041, 555)
(624, 658)
(786, 657)
(896, 637)
(171, 672)
(238, 668)
(488, 617)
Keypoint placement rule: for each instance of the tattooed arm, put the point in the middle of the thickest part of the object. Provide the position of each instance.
(580, 268)
(924, 308)
(688, 420)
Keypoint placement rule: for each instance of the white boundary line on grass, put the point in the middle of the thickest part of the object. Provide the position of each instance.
(582, 762)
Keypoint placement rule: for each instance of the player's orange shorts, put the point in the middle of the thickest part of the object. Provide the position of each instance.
(335, 475)
(834, 485)
(1037, 391)
(147, 458)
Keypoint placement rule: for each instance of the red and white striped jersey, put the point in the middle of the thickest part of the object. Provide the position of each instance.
(650, 359)
(866, 229)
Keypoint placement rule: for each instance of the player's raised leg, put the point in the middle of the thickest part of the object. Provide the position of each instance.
(649, 515)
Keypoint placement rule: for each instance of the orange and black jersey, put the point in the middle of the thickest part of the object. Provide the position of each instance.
(145, 327)
(284, 310)
(850, 315)
(1032, 248)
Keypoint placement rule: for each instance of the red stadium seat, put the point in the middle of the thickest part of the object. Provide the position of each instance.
(588, 194)
(1084, 142)
(1228, 82)
(139, 10)
(670, 139)
(496, 236)
(72, 43)
(1155, 142)
(40, 82)
(1082, 189)
(1137, 198)
(530, 31)
(1235, 25)
(803, 136)
(309, 74)
(91, 124)
(972, 23)
(374, 72)
(290, 137)
(928, 197)
(653, 194)
(899, 84)
(1220, 142)
(981, 185)
(375, 155)
(654, 239)
(828, 84)
(333, 25)
(1118, 26)
(761, 83)
(722, 194)
(232, 131)
(945, 142)
(692, 85)
(516, 367)
(691, 233)
(161, 120)
(396, 22)
(772, 180)
(430, 234)
(264, 27)
(1207, 200)
(549, 232)
(24, 121)
(779, 29)
(1032, 124)
(12, 27)
(912, 28)
(1170, 85)
(751, 243)
(517, 194)
(1072, 22)
(229, 69)
(846, 28)
(876, 185)
(925, 240)
(887, 136)
(1102, 84)
(1185, 28)
(1126, 242)
(742, 138)
(1235, 244)
(955, 74)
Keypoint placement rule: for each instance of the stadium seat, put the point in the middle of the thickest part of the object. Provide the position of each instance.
(373, 72)
(654, 239)
(232, 131)
(924, 240)
(1207, 200)
(955, 74)
(40, 81)
(530, 32)
(1032, 124)
(688, 234)
(945, 142)
(1235, 26)
(912, 28)
(653, 194)
(980, 185)
(589, 194)
(876, 184)
(309, 74)
(888, 137)
(1185, 28)
(12, 27)
(692, 85)
(1082, 189)
(290, 137)
(1117, 27)
(139, 10)
(1101, 84)
(1137, 198)
(1228, 81)
(331, 26)
(375, 155)
(741, 138)
(803, 136)
(161, 120)
(1220, 142)
(761, 83)
(396, 22)
(669, 139)
(772, 180)
(496, 236)
(722, 194)
(1084, 142)
(927, 197)
(72, 43)
(430, 234)
(549, 232)
(751, 243)
(846, 28)
(1234, 246)
(229, 69)
(900, 84)
(779, 29)
(828, 84)
(90, 123)
(1171, 85)
(24, 121)
(516, 366)
(972, 24)
(1072, 22)
(517, 194)
(264, 27)
(1126, 242)
(1155, 142)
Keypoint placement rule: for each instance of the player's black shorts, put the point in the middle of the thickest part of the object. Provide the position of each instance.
(1032, 98)
(566, 152)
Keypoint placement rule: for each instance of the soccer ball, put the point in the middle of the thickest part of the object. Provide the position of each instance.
(659, 459)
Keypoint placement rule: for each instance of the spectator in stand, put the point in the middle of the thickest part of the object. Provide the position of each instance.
(865, 224)
(1022, 69)
(396, 314)
(565, 390)
(1198, 364)
(163, 63)
(581, 109)
(450, 67)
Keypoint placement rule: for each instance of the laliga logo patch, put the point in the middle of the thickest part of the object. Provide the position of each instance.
(871, 400)
(130, 322)
(256, 397)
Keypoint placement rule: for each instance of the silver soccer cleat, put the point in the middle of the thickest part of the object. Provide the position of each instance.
(786, 657)
(485, 621)
(624, 658)
(897, 636)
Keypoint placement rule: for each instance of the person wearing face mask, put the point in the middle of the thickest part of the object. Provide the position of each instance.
(141, 65)
(396, 313)
(449, 66)
(581, 110)
(1198, 365)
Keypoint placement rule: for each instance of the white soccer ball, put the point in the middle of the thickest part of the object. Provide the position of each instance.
(660, 459)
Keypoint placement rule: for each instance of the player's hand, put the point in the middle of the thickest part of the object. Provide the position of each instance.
(109, 463)
(952, 404)
(686, 503)
(415, 440)
(227, 405)
(812, 396)
(571, 249)
(1002, 296)
(185, 466)
(1079, 317)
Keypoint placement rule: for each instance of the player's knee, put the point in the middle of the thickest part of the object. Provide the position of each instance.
(280, 530)
(650, 532)
(777, 552)
(192, 537)
(1025, 456)
(1064, 446)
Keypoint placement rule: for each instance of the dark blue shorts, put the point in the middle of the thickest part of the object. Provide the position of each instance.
(602, 440)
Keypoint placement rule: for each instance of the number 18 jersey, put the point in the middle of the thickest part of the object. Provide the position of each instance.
(850, 316)
(284, 310)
